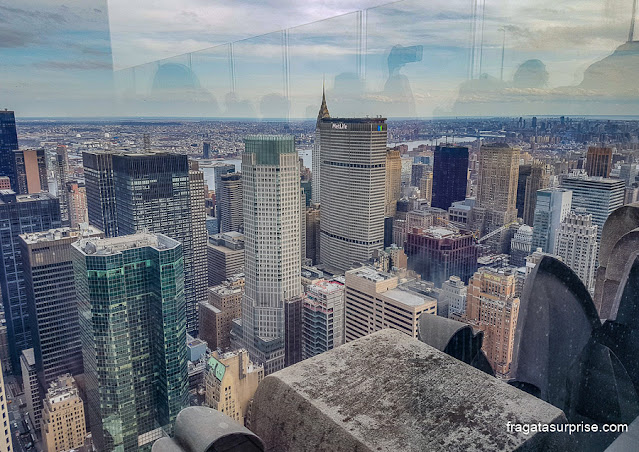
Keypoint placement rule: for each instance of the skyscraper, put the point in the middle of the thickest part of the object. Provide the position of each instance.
(598, 196)
(217, 314)
(77, 196)
(450, 175)
(353, 160)
(51, 300)
(271, 185)
(36, 212)
(61, 171)
(417, 171)
(553, 204)
(229, 200)
(8, 144)
(453, 295)
(496, 187)
(524, 172)
(133, 328)
(521, 245)
(576, 244)
(31, 171)
(322, 114)
(98, 174)
(599, 161)
(322, 318)
(63, 422)
(218, 171)
(225, 256)
(158, 192)
(538, 179)
(393, 181)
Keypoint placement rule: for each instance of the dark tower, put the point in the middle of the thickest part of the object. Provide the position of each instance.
(450, 175)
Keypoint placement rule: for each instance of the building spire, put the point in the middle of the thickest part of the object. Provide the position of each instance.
(631, 35)
(323, 111)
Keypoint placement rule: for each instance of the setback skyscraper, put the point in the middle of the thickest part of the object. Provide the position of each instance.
(450, 175)
(218, 171)
(271, 185)
(133, 328)
(36, 212)
(353, 174)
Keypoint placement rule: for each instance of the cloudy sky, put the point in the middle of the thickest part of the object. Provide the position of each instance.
(57, 57)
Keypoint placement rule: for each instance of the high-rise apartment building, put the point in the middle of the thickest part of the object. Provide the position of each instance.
(229, 200)
(8, 144)
(576, 244)
(453, 295)
(271, 184)
(220, 170)
(31, 171)
(77, 195)
(393, 181)
(538, 179)
(217, 314)
(225, 256)
(159, 193)
(492, 307)
(450, 175)
(599, 161)
(553, 204)
(353, 160)
(521, 245)
(322, 317)
(6, 444)
(496, 187)
(100, 191)
(133, 330)
(36, 212)
(598, 196)
(374, 300)
(316, 162)
(63, 422)
(437, 253)
(231, 381)
(51, 300)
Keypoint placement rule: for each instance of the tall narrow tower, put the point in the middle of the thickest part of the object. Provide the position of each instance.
(323, 114)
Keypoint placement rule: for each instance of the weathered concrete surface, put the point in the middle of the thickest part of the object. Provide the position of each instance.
(389, 392)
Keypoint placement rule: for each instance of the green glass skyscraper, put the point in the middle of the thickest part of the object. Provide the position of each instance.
(133, 330)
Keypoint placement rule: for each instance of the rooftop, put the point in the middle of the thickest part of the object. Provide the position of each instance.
(116, 245)
(371, 274)
(84, 230)
(408, 298)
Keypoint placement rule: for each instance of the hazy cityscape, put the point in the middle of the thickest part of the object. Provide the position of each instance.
(365, 230)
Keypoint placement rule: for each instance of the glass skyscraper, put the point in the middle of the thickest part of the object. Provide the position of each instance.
(133, 330)
(8, 144)
(450, 175)
(20, 214)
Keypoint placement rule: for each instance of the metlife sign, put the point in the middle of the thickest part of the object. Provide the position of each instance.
(340, 126)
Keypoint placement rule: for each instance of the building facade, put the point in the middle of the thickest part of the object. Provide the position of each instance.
(8, 144)
(63, 422)
(229, 200)
(225, 257)
(6, 443)
(553, 204)
(453, 295)
(521, 245)
(132, 313)
(353, 174)
(599, 161)
(538, 179)
(450, 175)
(31, 171)
(100, 190)
(322, 317)
(316, 159)
(393, 181)
(31, 387)
(576, 244)
(77, 194)
(217, 314)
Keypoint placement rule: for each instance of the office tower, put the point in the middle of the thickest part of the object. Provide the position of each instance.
(206, 150)
(225, 256)
(292, 331)
(437, 253)
(496, 188)
(31, 387)
(538, 179)
(133, 331)
(524, 172)
(63, 422)
(426, 187)
(218, 171)
(302, 226)
(159, 193)
(6, 444)
(313, 233)
(393, 181)
(521, 245)
(322, 318)
(36, 212)
(229, 201)
(353, 156)
(8, 144)
(576, 244)
(5, 183)
(217, 314)
(100, 190)
(553, 204)
(599, 161)
(450, 175)
(61, 171)
(417, 171)
(375, 300)
(77, 196)
(628, 173)
(231, 381)
(322, 114)
(51, 300)
(492, 307)
(599, 197)
(453, 295)
(270, 173)
(31, 171)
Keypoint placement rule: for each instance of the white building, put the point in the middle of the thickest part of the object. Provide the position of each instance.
(577, 246)
(521, 245)
(553, 204)
(322, 317)
(453, 294)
